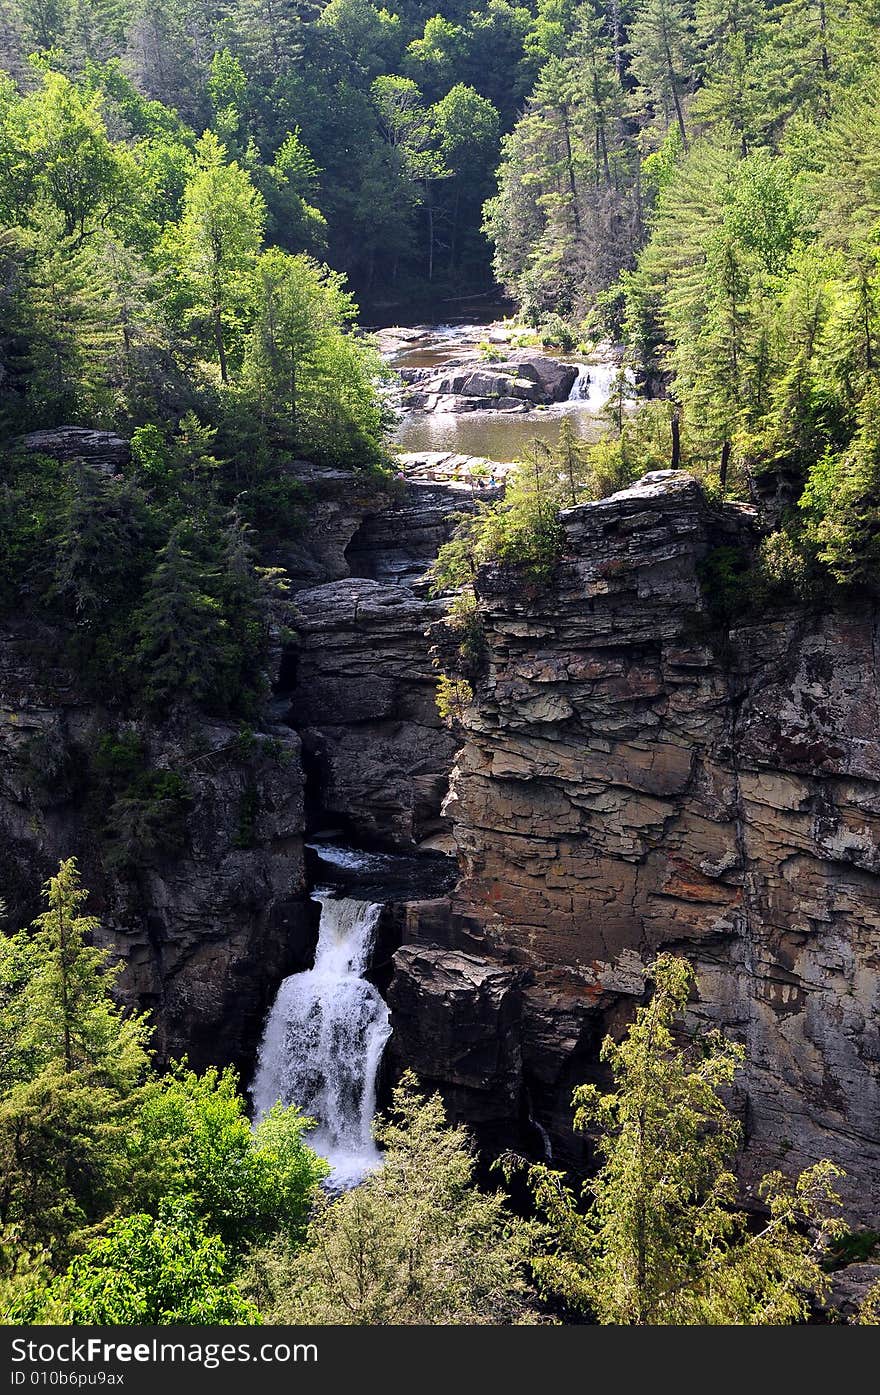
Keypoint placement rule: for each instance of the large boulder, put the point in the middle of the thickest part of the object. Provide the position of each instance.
(527, 379)
(551, 380)
(102, 449)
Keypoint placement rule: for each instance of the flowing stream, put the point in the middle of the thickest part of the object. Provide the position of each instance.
(324, 1039)
(494, 435)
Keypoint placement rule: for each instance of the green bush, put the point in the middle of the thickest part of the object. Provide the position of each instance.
(146, 1270)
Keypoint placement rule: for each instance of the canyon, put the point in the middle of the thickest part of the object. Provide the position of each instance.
(638, 769)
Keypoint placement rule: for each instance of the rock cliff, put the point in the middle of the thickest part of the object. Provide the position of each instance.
(190, 832)
(635, 776)
(199, 888)
(635, 772)
(363, 700)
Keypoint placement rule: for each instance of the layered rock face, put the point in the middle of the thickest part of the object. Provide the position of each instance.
(334, 504)
(634, 779)
(103, 450)
(201, 897)
(397, 544)
(360, 682)
(363, 701)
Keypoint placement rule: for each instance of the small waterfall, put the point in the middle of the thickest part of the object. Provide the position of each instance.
(595, 383)
(539, 1128)
(580, 388)
(324, 1038)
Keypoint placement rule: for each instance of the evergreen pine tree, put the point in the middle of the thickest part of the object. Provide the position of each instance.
(71, 1073)
(660, 1240)
(416, 1243)
(181, 630)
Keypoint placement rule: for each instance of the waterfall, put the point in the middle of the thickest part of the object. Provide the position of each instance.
(324, 1038)
(595, 383)
(580, 388)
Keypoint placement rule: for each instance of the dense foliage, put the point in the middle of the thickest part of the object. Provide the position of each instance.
(349, 130)
(131, 1197)
(157, 279)
(416, 1243)
(106, 1163)
(700, 178)
(660, 1240)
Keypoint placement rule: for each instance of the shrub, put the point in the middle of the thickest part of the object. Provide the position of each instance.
(453, 697)
(148, 1270)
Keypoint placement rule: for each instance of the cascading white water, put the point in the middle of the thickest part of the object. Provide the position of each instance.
(594, 383)
(324, 1038)
(580, 388)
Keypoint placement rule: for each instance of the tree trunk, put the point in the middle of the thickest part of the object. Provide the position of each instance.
(675, 463)
(569, 165)
(679, 114)
(221, 347)
(823, 29)
(604, 146)
(453, 237)
(723, 468)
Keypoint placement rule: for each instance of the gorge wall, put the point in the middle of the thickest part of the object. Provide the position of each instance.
(200, 886)
(202, 897)
(632, 774)
(635, 777)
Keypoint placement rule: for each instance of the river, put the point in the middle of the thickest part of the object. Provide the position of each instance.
(493, 435)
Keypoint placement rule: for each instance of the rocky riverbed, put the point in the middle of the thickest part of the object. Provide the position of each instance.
(468, 389)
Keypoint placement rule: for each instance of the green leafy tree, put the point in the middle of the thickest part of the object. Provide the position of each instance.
(78, 167)
(291, 191)
(660, 1240)
(417, 1242)
(146, 1270)
(371, 36)
(218, 240)
(730, 33)
(313, 382)
(467, 131)
(524, 527)
(245, 1184)
(567, 214)
(408, 129)
(227, 88)
(18, 164)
